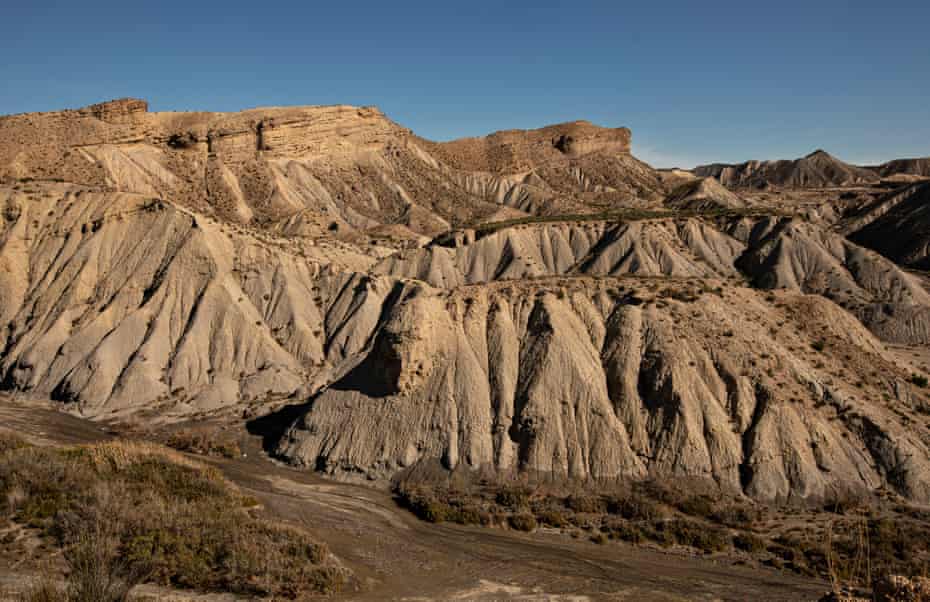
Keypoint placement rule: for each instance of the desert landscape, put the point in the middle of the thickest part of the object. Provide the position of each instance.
(293, 352)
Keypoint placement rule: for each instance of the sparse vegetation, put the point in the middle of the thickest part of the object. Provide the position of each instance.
(623, 215)
(123, 512)
(523, 521)
(203, 442)
(919, 380)
(666, 515)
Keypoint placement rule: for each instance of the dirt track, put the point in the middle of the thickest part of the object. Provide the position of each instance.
(394, 556)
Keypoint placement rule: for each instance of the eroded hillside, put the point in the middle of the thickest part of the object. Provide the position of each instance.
(532, 301)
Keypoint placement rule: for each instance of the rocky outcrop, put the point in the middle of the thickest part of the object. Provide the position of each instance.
(515, 151)
(122, 111)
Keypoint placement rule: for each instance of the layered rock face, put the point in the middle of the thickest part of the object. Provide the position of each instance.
(125, 111)
(340, 165)
(513, 151)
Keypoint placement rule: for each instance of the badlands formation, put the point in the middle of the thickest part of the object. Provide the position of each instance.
(536, 302)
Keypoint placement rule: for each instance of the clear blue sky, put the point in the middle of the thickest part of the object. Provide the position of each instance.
(696, 81)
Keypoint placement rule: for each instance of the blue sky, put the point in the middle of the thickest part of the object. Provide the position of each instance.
(696, 81)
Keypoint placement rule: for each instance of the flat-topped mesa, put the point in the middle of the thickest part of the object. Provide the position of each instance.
(39, 145)
(514, 151)
(119, 111)
(331, 131)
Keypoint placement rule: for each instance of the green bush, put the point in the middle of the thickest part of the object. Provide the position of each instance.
(919, 380)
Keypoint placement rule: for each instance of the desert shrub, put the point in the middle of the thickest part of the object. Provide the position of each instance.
(843, 502)
(467, 514)
(634, 507)
(693, 534)
(11, 442)
(585, 503)
(423, 504)
(125, 511)
(735, 515)
(697, 505)
(512, 497)
(204, 443)
(522, 521)
(551, 518)
(99, 573)
(749, 543)
(628, 532)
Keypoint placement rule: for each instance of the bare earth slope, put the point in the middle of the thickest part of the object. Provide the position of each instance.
(897, 226)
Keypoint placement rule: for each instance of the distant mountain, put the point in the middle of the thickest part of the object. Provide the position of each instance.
(915, 167)
(819, 169)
